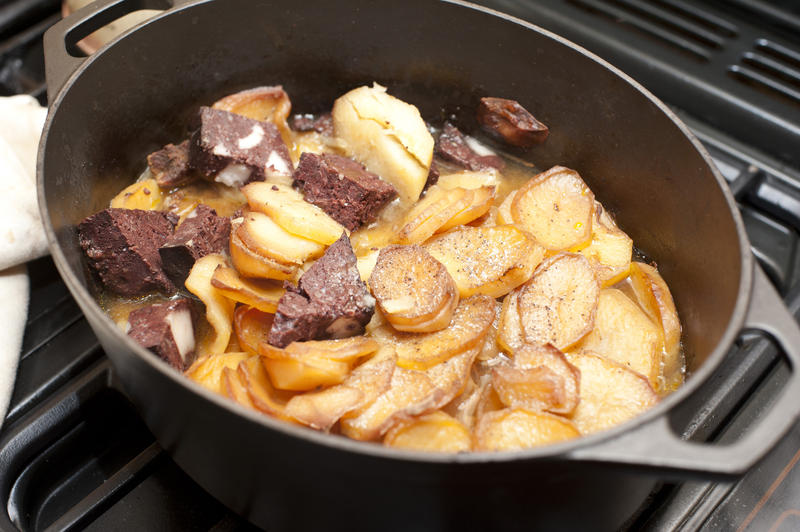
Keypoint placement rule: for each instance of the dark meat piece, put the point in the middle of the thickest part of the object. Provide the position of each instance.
(170, 165)
(321, 124)
(343, 188)
(433, 176)
(331, 300)
(235, 150)
(202, 232)
(452, 146)
(165, 329)
(509, 121)
(122, 246)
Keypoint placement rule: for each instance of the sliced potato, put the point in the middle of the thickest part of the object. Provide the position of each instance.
(341, 349)
(387, 135)
(463, 406)
(623, 333)
(233, 386)
(509, 334)
(504, 210)
(219, 309)
(263, 295)
(556, 208)
(610, 393)
(251, 264)
(436, 432)
(517, 428)
(451, 376)
(366, 263)
(207, 371)
(655, 298)
(413, 290)
(557, 306)
(145, 195)
(488, 401)
(610, 249)
(468, 179)
(486, 260)
(263, 236)
(292, 212)
(260, 390)
(479, 204)
(251, 327)
(431, 213)
(265, 104)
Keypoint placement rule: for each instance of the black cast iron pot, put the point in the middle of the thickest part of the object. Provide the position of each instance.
(138, 93)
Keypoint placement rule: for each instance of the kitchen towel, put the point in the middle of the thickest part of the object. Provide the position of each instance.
(21, 234)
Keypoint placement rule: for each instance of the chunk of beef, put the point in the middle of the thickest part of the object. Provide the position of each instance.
(509, 121)
(201, 232)
(170, 165)
(330, 301)
(322, 124)
(343, 188)
(452, 146)
(433, 176)
(167, 330)
(122, 247)
(234, 150)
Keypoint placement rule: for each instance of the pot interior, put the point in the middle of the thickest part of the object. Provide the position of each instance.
(142, 92)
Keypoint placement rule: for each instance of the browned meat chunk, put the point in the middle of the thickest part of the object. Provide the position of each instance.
(165, 329)
(122, 247)
(331, 300)
(343, 188)
(321, 124)
(170, 165)
(201, 232)
(433, 176)
(509, 121)
(234, 150)
(452, 146)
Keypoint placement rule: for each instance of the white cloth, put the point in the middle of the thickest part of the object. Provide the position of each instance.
(21, 233)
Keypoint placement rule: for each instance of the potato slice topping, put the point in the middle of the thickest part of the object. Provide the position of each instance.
(470, 179)
(235, 388)
(504, 210)
(470, 324)
(413, 289)
(207, 371)
(610, 393)
(623, 333)
(251, 327)
(517, 428)
(219, 309)
(251, 264)
(265, 104)
(557, 306)
(266, 238)
(432, 432)
(145, 195)
(509, 334)
(556, 208)
(486, 260)
(432, 212)
(263, 295)
(610, 249)
(262, 394)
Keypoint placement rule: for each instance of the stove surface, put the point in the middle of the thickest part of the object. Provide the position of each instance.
(74, 454)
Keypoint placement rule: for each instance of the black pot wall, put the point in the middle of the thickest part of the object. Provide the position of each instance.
(141, 92)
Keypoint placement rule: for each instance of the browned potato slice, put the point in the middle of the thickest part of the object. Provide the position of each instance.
(219, 309)
(234, 387)
(504, 210)
(557, 306)
(263, 236)
(251, 327)
(251, 264)
(480, 202)
(145, 195)
(610, 393)
(556, 208)
(509, 329)
(623, 333)
(322, 409)
(517, 428)
(433, 211)
(292, 212)
(342, 349)
(610, 249)
(487, 220)
(265, 104)
(655, 298)
(468, 328)
(207, 371)
(488, 401)
(263, 295)
(469, 179)
(436, 432)
(463, 406)
(486, 260)
(413, 290)
(260, 390)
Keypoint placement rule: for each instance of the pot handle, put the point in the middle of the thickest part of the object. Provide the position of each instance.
(63, 58)
(655, 446)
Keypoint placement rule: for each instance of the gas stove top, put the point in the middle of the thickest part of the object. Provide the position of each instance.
(74, 454)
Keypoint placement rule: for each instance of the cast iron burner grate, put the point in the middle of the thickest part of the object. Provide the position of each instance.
(75, 455)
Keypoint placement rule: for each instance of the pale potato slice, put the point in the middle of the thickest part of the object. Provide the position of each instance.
(265, 104)
(556, 208)
(486, 260)
(469, 179)
(219, 309)
(321, 410)
(207, 371)
(488, 400)
(366, 263)
(610, 393)
(623, 333)
(463, 406)
(509, 334)
(145, 195)
(263, 236)
(387, 135)
(557, 306)
(263, 295)
(468, 328)
(260, 390)
(234, 387)
(251, 327)
(433, 211)
(487, 220)
(435, 432)
(516, 428)
(655, 298)
(341, 349)
(292, 212)
(451, 376)
(504, 210)
(413, 290)
(251, 264)
(610, 249)
(479, 204)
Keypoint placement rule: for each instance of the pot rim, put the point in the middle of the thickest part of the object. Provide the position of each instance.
(89, 304)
